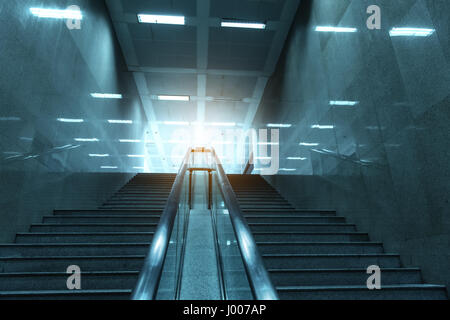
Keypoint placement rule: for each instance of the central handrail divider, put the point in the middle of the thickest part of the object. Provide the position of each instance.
(259, 279)
(150, 276)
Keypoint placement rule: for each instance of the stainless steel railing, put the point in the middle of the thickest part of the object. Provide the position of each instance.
(150, 276)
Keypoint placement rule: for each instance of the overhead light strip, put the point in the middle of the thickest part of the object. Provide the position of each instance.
(120, 121)
(57, 14)
(280, 125)
(411, 32)
(173, 98)
(243, 24)
(106, 95)
(70, 120)
(335, 29)
(161, 19)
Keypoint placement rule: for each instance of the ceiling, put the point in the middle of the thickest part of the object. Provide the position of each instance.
(223, 70)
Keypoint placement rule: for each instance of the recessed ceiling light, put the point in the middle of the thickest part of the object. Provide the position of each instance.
(161, 19)
(70, 120)
(57, 14)
(136, 156)
(344, 103)
(280, 125)
(335, 29)
(297, 158)
(86, 139)
(318, 126)
(129, 141)
(106, 95)
(109, 167)
(173, 98)
(411, 32)
(309, 144)
(120, 121)
(10, 119)
(243, 24)
(94, 155)
(283, 169)
(268, 143)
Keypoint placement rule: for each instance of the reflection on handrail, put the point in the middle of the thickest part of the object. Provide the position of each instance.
(257, 274)
(150, 276)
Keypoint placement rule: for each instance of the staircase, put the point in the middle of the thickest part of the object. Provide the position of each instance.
(314, 254)
(109, 244)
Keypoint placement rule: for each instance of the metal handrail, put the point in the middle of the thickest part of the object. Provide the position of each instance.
(259, 279)
(150, 276)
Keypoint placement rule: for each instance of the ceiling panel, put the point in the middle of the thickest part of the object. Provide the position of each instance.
(234, 87)
(226, 111)
(175, 7)
(172, 84)
(257, 10)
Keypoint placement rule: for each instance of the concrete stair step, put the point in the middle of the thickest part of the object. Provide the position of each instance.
(116, 237)
(67, 295)
(93, 227)
(290, 218)
(249, 212)
(60, 263)
(58, 281)
(133, 207)
(101, 219)
(98, 212)
(310, 236)
(74, 249)
(337, 277)
(330, 261)
(299, 227)
(319, 247)
(388, 292)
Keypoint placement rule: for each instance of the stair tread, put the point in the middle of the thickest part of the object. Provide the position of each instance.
(302, 255)
(355, 287)
(341, 270)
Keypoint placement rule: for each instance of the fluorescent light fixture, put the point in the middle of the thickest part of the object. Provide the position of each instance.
(129, 141)
(57, 14)
(335, 29)
(70, 120)
(309, 144)
(411, 32)
(86, 140)
(161, 19)
(243, 24)
(318, 126)
(106, 95)
(136, 156)
(120, 121)
(288, 170)
(109, 167)
(94, 155)
(279, 125)
(173, 98)
(344, 103)
(297, 158)
(176, 123)
(268, 143)
(10, 119)
(139, 168)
